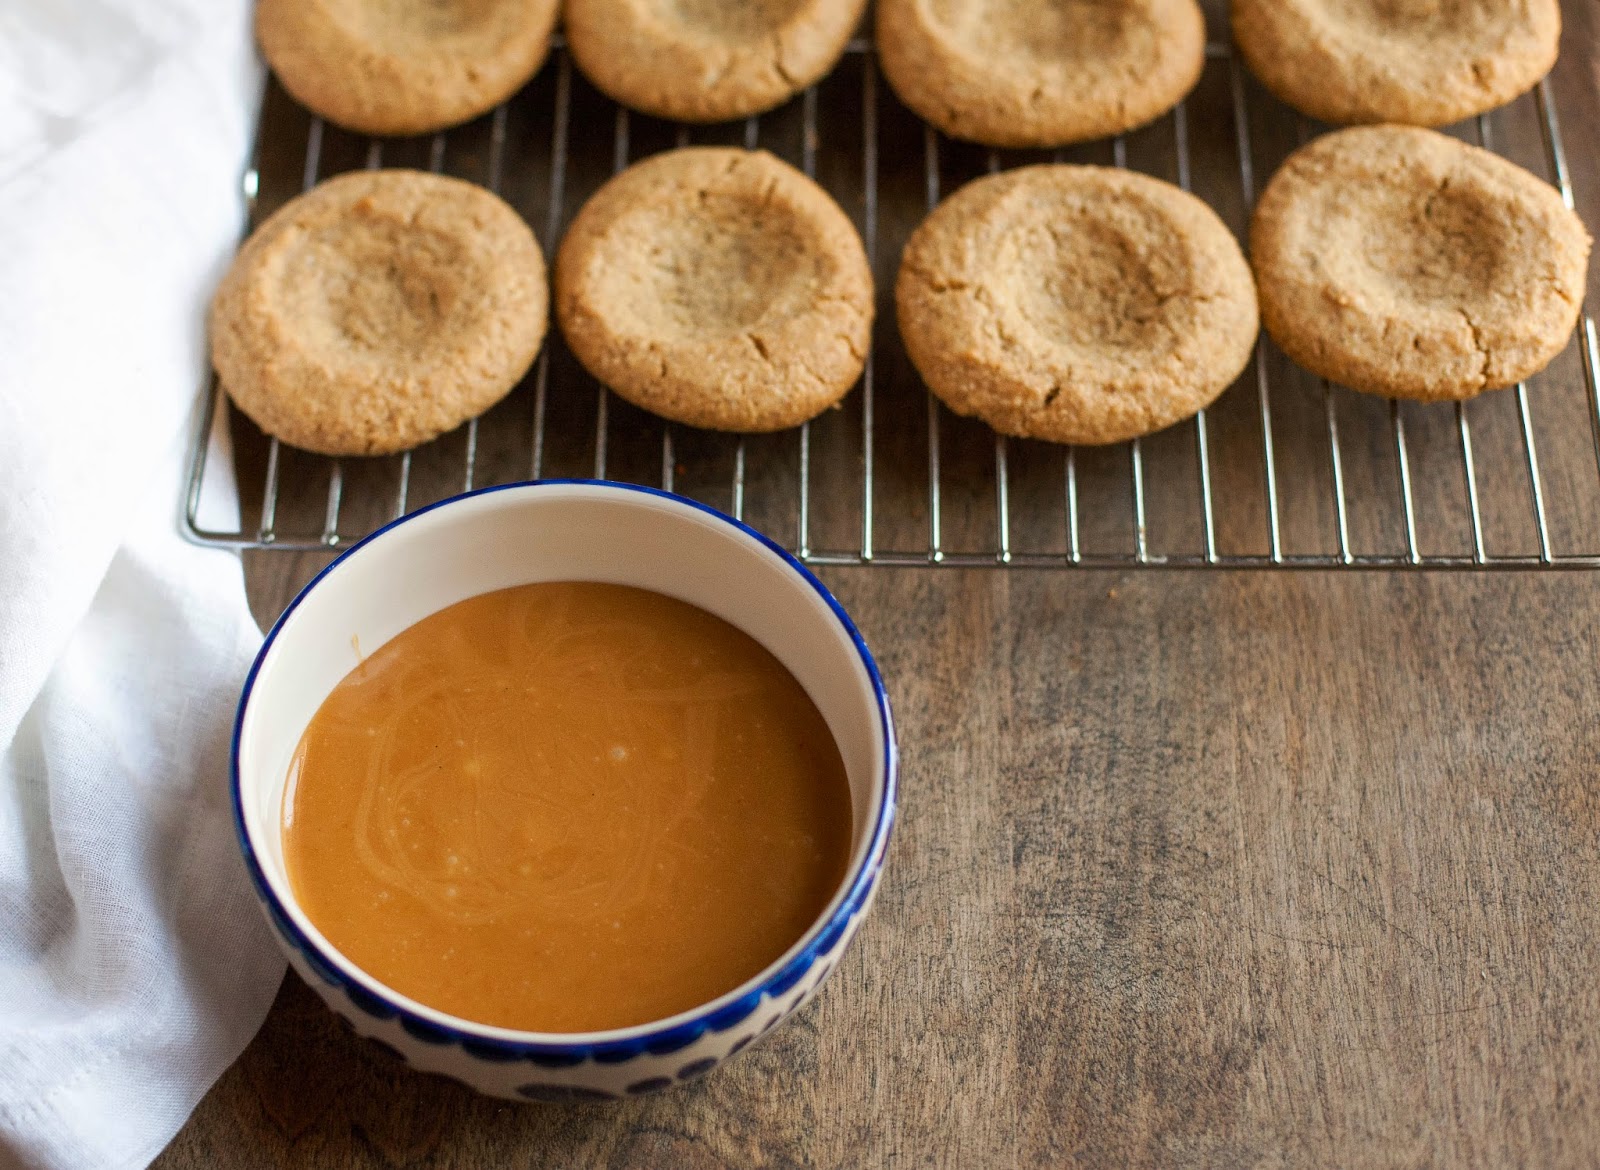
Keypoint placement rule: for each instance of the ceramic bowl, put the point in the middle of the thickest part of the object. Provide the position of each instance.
(552, 531)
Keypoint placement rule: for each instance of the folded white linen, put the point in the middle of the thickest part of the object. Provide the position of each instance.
(134, 965)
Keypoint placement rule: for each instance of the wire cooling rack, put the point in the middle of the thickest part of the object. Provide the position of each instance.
(1283, 471)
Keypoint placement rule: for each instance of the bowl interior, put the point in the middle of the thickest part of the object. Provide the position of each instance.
(551, 532)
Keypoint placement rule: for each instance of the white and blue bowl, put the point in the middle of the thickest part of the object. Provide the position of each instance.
(561, 530)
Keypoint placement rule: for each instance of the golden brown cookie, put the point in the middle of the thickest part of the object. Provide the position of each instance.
(1420, 62)
(717, 287)
(1076, 304)
(1021, 73)
(707, 60)
(1405, 263)
(379, 310)
(403, 67)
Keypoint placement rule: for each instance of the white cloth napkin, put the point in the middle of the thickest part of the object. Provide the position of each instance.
(134, 964)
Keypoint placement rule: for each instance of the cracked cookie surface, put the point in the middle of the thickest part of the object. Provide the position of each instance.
(1402, 262)
(707, 60)
(379, 310)
(1418, 62)
(1076, 304)
(402, 67)
(1018, 73)
(719, 288)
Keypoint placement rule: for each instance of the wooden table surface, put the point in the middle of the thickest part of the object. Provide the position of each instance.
(1207, 869)
(1212, 869)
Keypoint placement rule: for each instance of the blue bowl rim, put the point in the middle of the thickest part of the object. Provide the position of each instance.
(621, 1043)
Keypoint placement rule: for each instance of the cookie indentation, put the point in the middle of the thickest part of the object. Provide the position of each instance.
(1402, 262)
(404, 66)
(734, 20)
(399, 23)
(1077, 304)
(1452, 253)
(1419, 62)
(378, 311)
(1098, 287)
(377, 285)
(1079, 30)
(719, 288)
(1018, 73)
(731, 268)
(707, 60)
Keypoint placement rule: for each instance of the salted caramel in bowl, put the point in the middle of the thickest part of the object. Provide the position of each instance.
(567, 790)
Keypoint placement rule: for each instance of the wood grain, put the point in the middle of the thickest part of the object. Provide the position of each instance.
(1210, 869)
(1193, 869)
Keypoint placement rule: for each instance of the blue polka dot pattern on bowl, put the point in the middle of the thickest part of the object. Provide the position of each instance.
(697, 1068)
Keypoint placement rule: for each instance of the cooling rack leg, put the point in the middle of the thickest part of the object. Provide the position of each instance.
(1141, 542)
(267, 533)
(1002, 499)
(809, 136)
(404, 488)
(1202, 436)
(738, 479)
(215, 405)
(1550, 126)
(496, 170)
(1341, 509)
(469, 459)
(1074, 544)
(935, 506)
(930, 175)
(436, 151)
(601, 427)
(1180, 144)
(1535, 483)
(869, 179)
(802, 542)
(197, 462)
(1470, 473)
(1397, 424)
(620, 153)
(1247, 186)
(330, 515)
(558, 182)
(308, 174)
(809, 140)
(1202, 441)
(752, 139)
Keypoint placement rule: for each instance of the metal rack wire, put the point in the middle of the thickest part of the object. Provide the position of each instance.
(1300, 474)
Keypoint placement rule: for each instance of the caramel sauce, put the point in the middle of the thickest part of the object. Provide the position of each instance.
(566, 807)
